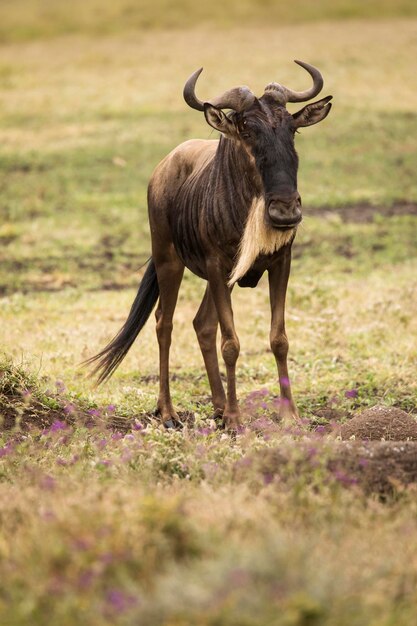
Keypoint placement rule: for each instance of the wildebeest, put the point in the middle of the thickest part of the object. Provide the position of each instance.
(228, 210)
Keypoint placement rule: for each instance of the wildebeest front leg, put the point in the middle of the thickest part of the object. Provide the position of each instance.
(205, 324)
(169, 272)
(229, 343)
(278, 281)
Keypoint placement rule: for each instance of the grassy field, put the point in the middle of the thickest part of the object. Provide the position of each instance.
(102, 527)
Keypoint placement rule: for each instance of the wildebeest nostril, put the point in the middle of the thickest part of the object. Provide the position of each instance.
(284, 214)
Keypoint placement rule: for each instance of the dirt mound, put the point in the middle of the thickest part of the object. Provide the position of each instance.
(381, 467)
(381, 423)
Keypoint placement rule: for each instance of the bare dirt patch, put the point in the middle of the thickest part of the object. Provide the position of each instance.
(365, 213)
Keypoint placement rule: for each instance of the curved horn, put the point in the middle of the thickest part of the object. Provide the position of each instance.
(189, 92)
(284, 95)
(237, 98)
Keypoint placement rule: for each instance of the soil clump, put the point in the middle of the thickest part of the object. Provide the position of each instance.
(380, 423)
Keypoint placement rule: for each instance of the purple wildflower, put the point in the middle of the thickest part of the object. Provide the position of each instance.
(204, 431)
(81, 544)
(351, 393)
(107, 558)
(126, 456)
(344, 478)
(119, 601)
(60, 386)
(57, 425)
(47, 483)
(85, 578)
(5, 450)
(311, 451)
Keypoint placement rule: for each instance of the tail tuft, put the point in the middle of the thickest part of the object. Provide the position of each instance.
(113, 354)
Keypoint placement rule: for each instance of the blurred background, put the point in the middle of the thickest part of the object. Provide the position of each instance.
(91, 101)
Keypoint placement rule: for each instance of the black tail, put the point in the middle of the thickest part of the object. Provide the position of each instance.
(113, 354)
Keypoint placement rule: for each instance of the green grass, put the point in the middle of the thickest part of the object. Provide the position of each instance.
(71, 212)
(32, 19)
(183, 528)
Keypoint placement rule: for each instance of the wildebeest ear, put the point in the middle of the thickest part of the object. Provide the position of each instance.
(313, 113)
(218, 120)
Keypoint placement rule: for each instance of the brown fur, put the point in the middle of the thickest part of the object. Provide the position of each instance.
(228, 210)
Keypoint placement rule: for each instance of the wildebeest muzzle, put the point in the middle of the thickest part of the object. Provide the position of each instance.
(284, 212)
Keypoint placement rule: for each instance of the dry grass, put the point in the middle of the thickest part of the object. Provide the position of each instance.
(179, 528)
(33, 19)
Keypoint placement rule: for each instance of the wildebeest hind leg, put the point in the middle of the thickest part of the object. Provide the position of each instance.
(169, 271)
(205, 324)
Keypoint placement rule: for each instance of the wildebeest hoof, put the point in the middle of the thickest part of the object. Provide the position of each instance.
(173, 424)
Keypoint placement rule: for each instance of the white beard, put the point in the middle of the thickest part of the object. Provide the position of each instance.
(257, 238)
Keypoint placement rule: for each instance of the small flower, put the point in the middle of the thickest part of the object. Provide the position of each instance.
(47, 483)
(119, 601)
(85, 578)
(69, 408)
(5, 450)
(344, 478)
(351, 393)
(205, 431)
(60, 386)
(57, 425)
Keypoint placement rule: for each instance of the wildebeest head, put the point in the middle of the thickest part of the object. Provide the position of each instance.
(266, 130)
